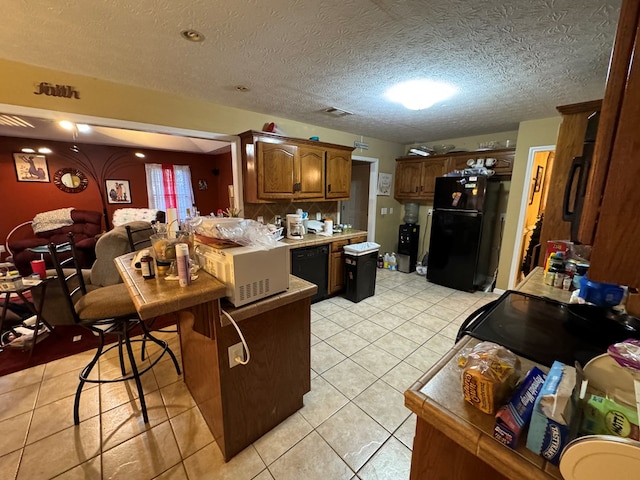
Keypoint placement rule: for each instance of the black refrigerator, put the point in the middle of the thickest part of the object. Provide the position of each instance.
(460, 249)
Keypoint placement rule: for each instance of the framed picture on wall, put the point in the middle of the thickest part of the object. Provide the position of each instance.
(118, 191)
(31, 167)
(384, 183)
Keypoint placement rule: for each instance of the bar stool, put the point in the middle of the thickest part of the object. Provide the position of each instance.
(104, 310)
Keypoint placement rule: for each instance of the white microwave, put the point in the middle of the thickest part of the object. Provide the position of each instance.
(249, 273)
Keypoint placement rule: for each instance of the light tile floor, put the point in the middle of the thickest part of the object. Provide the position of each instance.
(354, 424)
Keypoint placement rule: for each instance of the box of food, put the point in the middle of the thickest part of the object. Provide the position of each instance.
(513, 417)
(554, 413)
(10, 282)
(554, 246)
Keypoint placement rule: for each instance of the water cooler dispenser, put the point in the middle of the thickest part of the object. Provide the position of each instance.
(408, 239)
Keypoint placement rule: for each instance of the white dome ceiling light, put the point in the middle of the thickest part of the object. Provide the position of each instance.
(420, 94)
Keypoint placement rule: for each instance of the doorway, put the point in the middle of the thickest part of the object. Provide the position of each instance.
(359, 210)
(534, 198)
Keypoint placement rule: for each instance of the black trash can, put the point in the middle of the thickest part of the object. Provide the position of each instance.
(361, 265)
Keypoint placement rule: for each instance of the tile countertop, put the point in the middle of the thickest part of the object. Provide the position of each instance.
(437, 399)
(311, 239)
(158, 296)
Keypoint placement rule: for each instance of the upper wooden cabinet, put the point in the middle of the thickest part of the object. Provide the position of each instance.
(338, 168)
(571, 136)
(609, 216)
(415, 177)
(279, 168)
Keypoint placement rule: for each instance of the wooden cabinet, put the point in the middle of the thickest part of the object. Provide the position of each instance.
(336, 263)
(338, 168)
(277, 168)
(570, 141)
(415, 177)
(500, 161)
(609, 218)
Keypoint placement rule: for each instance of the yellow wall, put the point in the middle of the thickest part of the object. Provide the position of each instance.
(532, 133)
(104, 99)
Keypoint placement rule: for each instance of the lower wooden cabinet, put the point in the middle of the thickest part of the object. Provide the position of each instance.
(336, 263)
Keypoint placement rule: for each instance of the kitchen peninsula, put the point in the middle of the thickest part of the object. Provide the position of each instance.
(240, 403)
(454, 439)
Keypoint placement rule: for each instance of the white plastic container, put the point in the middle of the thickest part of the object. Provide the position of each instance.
(182, 261)
(361, 248)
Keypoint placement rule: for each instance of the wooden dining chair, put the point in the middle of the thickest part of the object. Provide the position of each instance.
(104, 311)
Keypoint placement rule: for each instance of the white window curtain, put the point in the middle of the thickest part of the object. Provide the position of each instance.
(169, 186)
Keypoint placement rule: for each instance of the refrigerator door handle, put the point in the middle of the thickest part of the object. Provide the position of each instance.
(457, 210)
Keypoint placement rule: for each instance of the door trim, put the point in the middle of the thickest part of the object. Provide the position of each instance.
(524, 200)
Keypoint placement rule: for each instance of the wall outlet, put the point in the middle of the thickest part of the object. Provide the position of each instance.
(390, 210)
(430, 211)
(318, 216)
(2, 249)
(503, 216)
(235, 351)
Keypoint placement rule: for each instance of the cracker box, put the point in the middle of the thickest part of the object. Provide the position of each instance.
(513, 417)
(10, 283)
(554, 246)
(554, 413)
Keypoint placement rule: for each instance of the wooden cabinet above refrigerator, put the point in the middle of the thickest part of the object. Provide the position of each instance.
(415, 176)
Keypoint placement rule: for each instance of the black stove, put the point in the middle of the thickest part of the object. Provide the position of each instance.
(542, 329)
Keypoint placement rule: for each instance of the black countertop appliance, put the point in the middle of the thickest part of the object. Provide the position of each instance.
(544, 330)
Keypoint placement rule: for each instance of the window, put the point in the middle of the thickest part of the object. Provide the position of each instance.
(169, 186)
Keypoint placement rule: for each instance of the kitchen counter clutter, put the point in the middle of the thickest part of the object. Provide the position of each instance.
(239, 402)
(454, 439)
(312, 239)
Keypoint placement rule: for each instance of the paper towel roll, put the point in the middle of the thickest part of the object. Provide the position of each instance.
(172, 222)
(328, 226)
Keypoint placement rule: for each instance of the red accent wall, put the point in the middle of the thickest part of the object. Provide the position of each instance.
(21, 201)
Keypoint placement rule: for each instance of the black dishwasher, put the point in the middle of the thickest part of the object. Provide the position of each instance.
(312, 264)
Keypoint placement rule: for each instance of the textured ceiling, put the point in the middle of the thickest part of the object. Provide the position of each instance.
(511, 61)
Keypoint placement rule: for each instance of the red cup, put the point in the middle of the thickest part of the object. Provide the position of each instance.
(39, 267)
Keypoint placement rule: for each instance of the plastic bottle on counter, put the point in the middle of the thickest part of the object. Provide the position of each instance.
(393, 262)
(182, 260)
(385, 260)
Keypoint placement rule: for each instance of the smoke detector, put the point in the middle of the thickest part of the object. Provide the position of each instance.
(336, 112)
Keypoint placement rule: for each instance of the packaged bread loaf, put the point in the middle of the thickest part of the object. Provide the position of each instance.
(490, 373)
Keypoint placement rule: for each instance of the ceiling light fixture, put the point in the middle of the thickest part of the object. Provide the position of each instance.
(140, 155)
(420, 94)
(192, 35)
(27, 150)
(83, 127)
(44, 150)
(66, 124)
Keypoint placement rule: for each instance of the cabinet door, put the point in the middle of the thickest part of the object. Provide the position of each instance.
(276, 166)
(615, 257)
(408, 179)
(310, 180)
(336, 272)
(338, 175)
(431, 170)
(569, 145)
